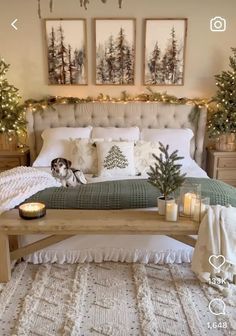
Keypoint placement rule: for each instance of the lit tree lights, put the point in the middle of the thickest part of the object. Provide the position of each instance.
(223, 119)
(12, 119)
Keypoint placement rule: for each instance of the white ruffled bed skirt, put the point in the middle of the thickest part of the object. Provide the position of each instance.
(98, 248)
(110, 254)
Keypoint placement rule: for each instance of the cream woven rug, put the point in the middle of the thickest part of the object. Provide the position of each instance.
(109, 299)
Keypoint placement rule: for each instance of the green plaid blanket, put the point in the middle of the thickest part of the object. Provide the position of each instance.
(125, 194)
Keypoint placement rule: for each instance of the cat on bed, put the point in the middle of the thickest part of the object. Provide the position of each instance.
(69, 177)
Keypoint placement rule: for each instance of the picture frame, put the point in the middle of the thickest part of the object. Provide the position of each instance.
(164, 51)
(66, 51)
(115, 44)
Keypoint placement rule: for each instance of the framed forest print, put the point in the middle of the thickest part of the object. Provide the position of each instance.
(165, 41)
(115, 51)
(66, 51)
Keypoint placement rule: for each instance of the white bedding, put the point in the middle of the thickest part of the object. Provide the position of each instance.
(143, 248)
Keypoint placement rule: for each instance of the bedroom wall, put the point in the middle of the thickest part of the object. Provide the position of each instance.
(206, 54)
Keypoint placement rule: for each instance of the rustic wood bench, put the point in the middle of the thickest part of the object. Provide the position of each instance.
(62, 224)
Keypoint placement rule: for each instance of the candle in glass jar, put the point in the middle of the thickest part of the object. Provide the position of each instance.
(189, 201)
(199, 210)
(32, 210)
(171, 212)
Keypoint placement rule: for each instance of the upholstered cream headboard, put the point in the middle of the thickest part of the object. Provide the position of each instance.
(142, 114)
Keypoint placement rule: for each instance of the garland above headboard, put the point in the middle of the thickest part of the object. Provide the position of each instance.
(150, 96)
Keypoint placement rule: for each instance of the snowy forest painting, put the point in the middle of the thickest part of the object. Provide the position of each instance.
(115, 51)
(164, 51)
(66, 52)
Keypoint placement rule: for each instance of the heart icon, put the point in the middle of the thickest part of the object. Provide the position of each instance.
(217, 261)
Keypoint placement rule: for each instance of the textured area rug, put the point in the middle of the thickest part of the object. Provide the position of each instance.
(110, 299)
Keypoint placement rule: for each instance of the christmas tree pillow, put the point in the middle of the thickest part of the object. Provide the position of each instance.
(115, 158)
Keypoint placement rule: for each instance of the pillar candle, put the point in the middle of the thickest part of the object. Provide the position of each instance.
(171, 212)
(199, 210)
(189, 200)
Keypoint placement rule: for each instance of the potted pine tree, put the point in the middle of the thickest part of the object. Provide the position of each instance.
(166, 176)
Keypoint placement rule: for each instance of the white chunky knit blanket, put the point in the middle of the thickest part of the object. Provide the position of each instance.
(20, 183)
(215, 254)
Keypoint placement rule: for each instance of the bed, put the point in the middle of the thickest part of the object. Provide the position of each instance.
(157, 249)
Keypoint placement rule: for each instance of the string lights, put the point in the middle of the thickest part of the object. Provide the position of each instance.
(149, 96)
(12, 116)
(222, 120)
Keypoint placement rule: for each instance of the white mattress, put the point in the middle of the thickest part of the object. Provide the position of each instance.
(143, 248)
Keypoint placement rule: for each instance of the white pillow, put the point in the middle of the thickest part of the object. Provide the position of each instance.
(176, 138)
(115, 158)
(143, 157)
(84, 155)
(116, 133)
(56, 143)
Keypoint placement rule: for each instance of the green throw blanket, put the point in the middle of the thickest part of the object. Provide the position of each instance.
(125, 194)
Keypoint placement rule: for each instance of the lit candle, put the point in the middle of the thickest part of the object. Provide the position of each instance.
(32, 210)
(171, 212)
(189, 200)
(199, 210)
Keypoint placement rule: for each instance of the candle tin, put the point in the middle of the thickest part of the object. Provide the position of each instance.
(32, 210)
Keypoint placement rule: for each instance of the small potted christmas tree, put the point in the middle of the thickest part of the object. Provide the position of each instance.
(12, 121)
(166, 176)
(222, 121)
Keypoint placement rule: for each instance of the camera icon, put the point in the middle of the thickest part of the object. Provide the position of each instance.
(218, 24)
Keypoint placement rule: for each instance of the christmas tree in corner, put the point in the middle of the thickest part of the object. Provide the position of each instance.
(115, 159)
(223, 119)
(12, 119)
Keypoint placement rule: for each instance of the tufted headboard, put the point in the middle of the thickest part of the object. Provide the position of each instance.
(141, 114)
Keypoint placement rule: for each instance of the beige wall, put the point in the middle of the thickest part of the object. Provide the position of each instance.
(207, 53)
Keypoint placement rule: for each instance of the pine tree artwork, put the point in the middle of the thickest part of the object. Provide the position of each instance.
(115, 159)
(115, 52)
(166, 174)
(12, 120)
(164, 51)
(83, 3)
(223, 119)
(66, 52)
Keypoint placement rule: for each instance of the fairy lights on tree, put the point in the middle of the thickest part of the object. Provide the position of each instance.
(223, 119)
(12, 119)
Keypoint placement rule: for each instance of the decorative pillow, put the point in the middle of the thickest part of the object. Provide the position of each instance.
(56, 143)
(115, 158)
(84, 155)
(116, 133)
(176, 138)
(143, 158)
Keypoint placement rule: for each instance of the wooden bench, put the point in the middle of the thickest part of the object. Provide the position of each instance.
(62, 224)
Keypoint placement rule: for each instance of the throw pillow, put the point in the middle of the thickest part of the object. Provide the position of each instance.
(56, 143)
(84, 155)
(143, 157)
(115, 158)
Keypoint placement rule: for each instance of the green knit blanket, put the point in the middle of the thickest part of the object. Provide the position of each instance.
(125, 194)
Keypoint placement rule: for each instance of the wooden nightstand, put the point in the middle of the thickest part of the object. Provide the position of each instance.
(222, 166)
(11, 159)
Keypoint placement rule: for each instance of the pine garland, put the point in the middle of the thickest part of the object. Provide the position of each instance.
(149, 96)
(166, 174)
